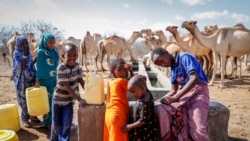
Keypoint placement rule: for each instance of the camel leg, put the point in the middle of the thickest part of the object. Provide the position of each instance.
(102, 57)
(96, 59)
(215, 55)
(234, 67)
(86, 62)
(108, 59)
(223, 68)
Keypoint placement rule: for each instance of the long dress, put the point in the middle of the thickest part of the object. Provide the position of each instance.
(47, 62)
(117, 110)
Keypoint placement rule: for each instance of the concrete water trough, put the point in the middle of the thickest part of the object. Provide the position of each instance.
(157, 82)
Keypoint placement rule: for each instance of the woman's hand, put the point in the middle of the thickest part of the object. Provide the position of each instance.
(171, 99)
(127, 67)
(37, 84)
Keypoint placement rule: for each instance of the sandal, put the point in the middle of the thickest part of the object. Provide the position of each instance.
(26, 124)
(34, 119)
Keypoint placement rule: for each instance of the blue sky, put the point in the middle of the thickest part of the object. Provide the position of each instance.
(124, 16)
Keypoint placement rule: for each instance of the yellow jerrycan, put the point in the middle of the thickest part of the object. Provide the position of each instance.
(9, 117)
(37, 101)
(94, 88)
(8, 135)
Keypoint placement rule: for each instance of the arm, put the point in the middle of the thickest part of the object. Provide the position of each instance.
(81, 82)
(24, 58)
(128, 127)
(70, 91)
(193, 80)
(174, 88)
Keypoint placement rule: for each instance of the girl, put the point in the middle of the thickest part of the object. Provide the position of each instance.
(24, 74)
(144, 126)
(117, 107)
(47, 62)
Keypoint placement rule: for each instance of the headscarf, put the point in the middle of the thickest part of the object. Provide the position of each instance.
(47, 59)
(29, 72)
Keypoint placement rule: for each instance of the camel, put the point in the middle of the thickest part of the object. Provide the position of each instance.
(12, 43)
(116, 45)
(148, 32)
(227, 41)
(193, 46)
(88, 46)
(33, 44)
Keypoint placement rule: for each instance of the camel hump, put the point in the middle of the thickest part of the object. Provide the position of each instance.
(239, 25)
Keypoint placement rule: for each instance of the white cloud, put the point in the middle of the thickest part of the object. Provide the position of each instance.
(240, 17)
(179, 18)
(167, 1)
(126, 5)
(210, 15)
(194, 2)
(142, 22)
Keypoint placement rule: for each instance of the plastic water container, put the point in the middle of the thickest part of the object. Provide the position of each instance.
(9, 117)
(94, 88)
(37, 101)
(8, 135)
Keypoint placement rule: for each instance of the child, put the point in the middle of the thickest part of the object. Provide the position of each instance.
(47, 62)
(189, 95)
(69, 75)
(144, 126)
(117, 107)
(24, 74)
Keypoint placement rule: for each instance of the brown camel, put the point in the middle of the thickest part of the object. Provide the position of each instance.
(227, 41)
(116, 45)
(88, 48)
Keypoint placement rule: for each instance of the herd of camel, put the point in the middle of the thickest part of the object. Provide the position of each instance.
(210, 46)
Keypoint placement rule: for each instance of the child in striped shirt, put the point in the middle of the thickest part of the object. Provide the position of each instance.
(69, 75)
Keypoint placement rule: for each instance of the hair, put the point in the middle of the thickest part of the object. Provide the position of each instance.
(157, 51)
(68, 47)
(137, 80)
(116, 63)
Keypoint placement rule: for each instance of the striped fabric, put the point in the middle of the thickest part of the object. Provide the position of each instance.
(61, 95)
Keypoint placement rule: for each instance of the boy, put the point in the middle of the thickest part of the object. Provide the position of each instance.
(189, 90)
(69, 75)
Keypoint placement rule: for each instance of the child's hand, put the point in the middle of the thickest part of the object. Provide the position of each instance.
(82, 102)
(126, 128)
(127, 66)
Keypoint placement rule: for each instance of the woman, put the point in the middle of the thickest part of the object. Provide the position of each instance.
(23, 71)
(47, 62)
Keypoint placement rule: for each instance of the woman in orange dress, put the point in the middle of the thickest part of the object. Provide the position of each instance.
(117, 106)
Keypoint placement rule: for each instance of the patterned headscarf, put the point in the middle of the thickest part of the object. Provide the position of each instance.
(29, 71)
(47, 59)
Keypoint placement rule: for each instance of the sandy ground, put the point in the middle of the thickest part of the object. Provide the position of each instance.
(236, 97)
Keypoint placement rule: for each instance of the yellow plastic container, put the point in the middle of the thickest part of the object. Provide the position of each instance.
(37, 101)
(9, 117)
(8, 135)
(94, 88)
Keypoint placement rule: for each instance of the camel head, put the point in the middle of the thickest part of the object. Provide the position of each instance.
(172, 29)
(158, 33)
(136, 34)
(96, 35)
(210, 29)
(189, 25)
(148, 32)
(88, 33)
